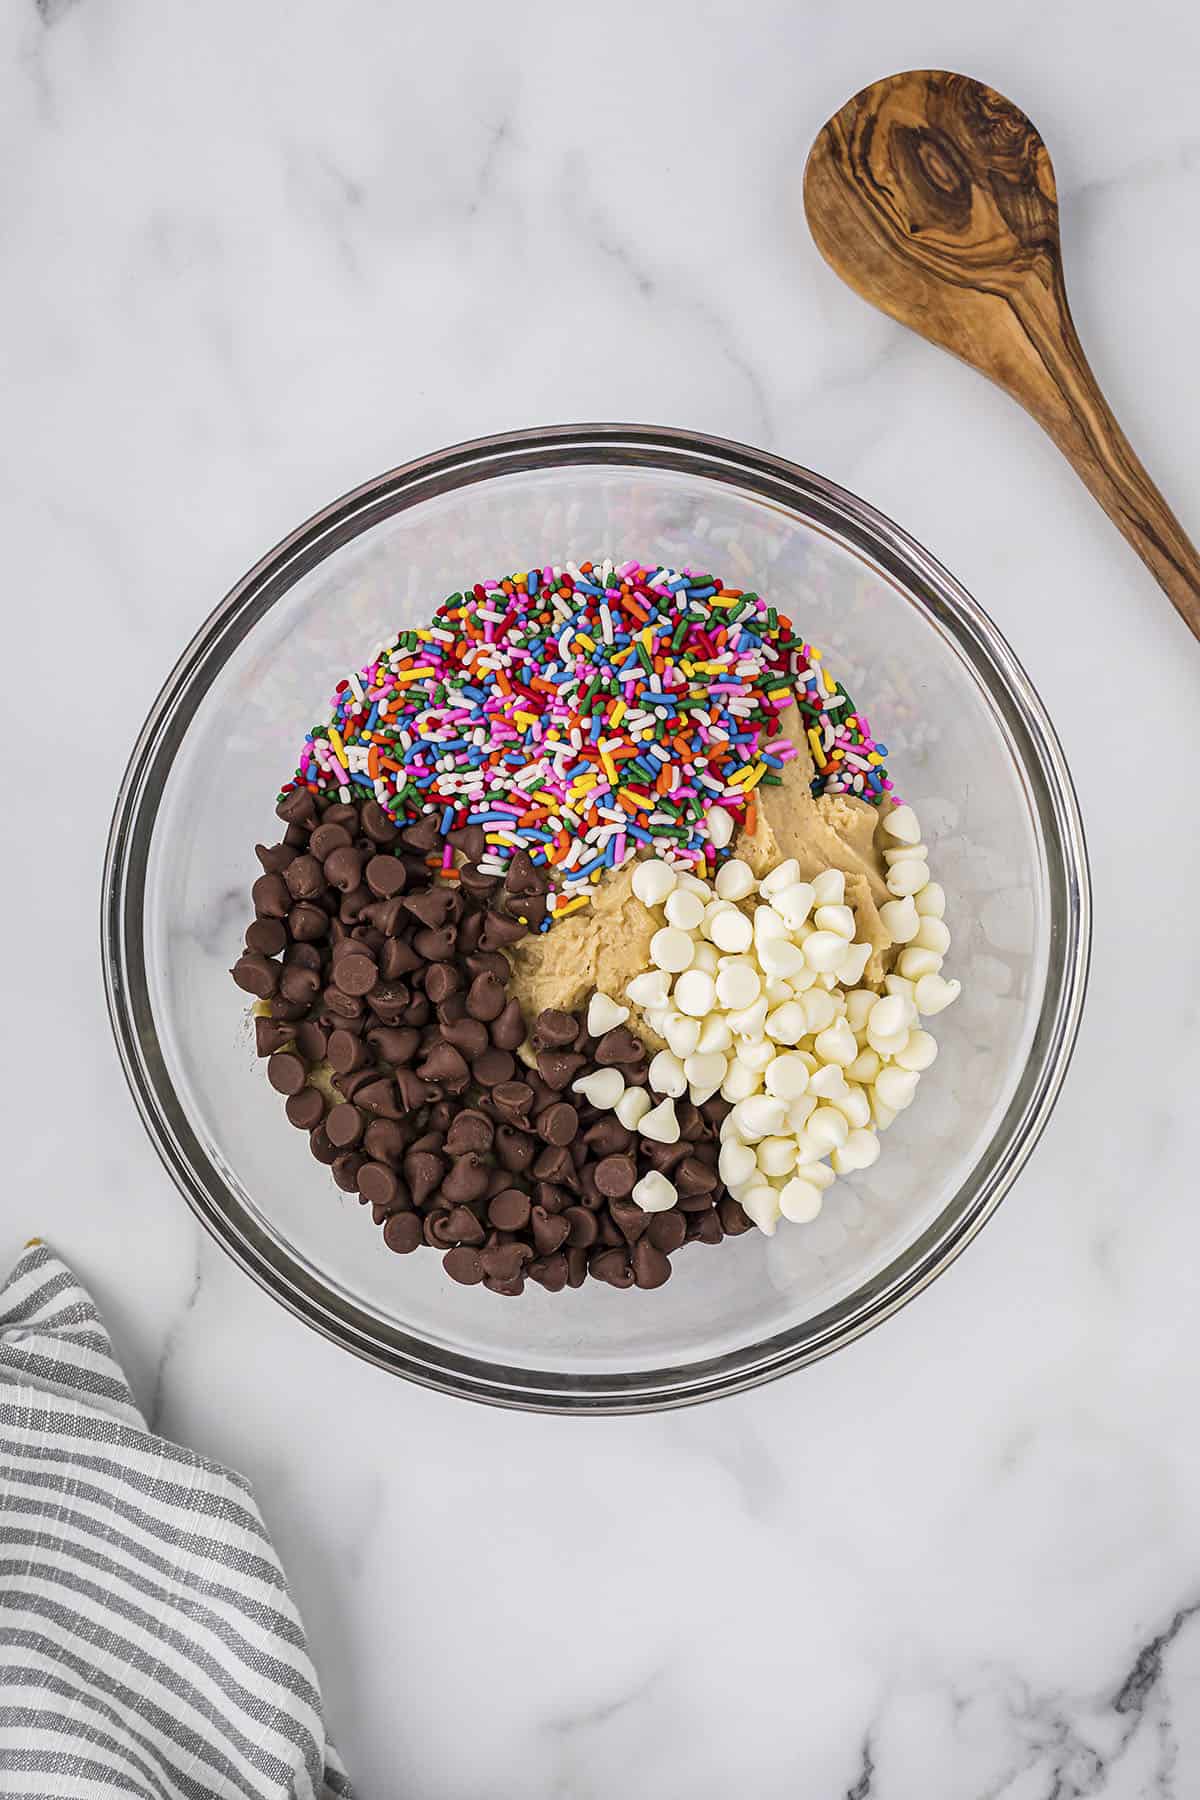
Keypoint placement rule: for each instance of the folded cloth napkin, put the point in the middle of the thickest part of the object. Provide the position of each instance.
(148, 1641)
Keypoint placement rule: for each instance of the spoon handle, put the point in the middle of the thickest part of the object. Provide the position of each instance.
(1067, 402)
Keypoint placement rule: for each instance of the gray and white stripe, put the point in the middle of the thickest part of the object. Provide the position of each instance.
(148, 1642)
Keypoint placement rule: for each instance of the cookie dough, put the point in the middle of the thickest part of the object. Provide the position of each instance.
(606, 945)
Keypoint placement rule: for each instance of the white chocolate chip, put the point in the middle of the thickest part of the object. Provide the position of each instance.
(719, 825)
(653, 880)
(758, 1116)
(931, 900)
(666, 1075)
(901, 823)
(829, 888)
(907, 878)
(786, 1076)
(823, 950)
(838, 919)
(794, 903)
(900, 919)
(740, 1083)
(750, 1021)
(671, 949)
(603, 1087)
(859, 1151)
(738, 984)
(826, 1130)
(761, 1205)
(684, 910)
(919, 1053)
(827, 1082)
(757, 1054)
(632, 1107)
(704, 956)
(768, 924)
(780, 957)
(819, 1011)
(855, 1107)
(682, 1034)
(736, 1163)
(853, 965)
(731, 931)
(714, 1035)
(896, 1087)
(836, 1044)
(604, 1015)
(735, 879)
(933, 935)
(906, 853)
(934, 994)
(649, 989)
(654, 1193)
(776, 1155)
(660, 1123)
(786, 1025)
(913, 962)
(695, 993)
(800, 1200)
(781, 876)
(706, 1071)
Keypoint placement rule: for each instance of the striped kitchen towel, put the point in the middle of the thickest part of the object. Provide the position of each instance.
(148, 1641)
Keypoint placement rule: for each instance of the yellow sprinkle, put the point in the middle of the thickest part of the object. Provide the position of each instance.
(740, 778)
(560, 912)
(818, 754)
(609, 767)
(874, 757)
(830, 685)
(335, 739)
(779, 693)
(813, 655)
(581, 637)
(415, 674)
(618, 713)
(753, 779)
(525, 719)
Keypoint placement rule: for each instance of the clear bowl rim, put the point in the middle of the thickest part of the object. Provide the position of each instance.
(852, 521)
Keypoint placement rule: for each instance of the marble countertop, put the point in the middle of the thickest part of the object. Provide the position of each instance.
(252, 255)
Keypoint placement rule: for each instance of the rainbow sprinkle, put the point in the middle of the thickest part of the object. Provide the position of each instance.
(580, 712)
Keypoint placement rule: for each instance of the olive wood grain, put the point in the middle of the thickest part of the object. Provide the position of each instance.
(933, 197)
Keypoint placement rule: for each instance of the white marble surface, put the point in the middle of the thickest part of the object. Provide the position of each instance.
(250, 254)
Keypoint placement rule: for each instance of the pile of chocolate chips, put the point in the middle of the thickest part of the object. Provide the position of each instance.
(398, 984)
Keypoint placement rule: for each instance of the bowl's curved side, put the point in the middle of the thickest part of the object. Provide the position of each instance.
(852, 522)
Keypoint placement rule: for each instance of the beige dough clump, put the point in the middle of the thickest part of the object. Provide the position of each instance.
(604, 946)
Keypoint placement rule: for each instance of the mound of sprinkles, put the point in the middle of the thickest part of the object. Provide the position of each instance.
(579, 713)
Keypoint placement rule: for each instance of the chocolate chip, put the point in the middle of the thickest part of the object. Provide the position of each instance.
(395, 1044)
(618, 1046)
(577, 1267)
(391, 1002)
(495, 1068)
(343, 869)
(256, 975)
(346, 1006)
(704, 1228)
(498, 932)
(414, 1092)
(424, 836)
(486, 997)
(508, 1028)
(467, 1180)
(275, 858)
(305, 878)
(650, 1266)
(297, 807)
(344, 1125)
(308, 924)
(616, 1176)
(385, 1140)
(457, 1226)
(608, 1137)
(327, 838)
(553, 1030)
(555, 1164)
(322, 1149)
(611, 1266)
(694, 1177)
(378, 1185)
(346, 1052)
(513, 1099)
(733, 1220)
(667, 1231)
(345, 1170)
(509, 1209)
(558, 1068)
(305, 1109)
(286, 1072)
(471, 1131)
(550, 1230)
(472, 882)
(423, 1172)
(583, 1229)
(435, 946)
(376, 825)
(558, 1124)
(290, 1010)
(441, 980)
(463, 1265)
(468, 1035)
(549, 1271)
(402, 1232)
(270, 1035)
(266, 936)
(378, 1097)
(629, 1219)
(300, 984)
(524, 877)
(514, 1149)
(504, 1262)
(386, 876)
(311, 1041)
(446, 1065)
(303, 956)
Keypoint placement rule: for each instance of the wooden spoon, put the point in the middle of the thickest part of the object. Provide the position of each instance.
(934, 198)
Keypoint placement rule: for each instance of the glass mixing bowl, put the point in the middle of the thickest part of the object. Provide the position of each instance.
(970, 746)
